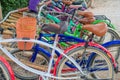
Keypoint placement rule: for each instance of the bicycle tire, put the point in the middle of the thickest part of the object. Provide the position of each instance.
(6, 72)
(114, 48)
(81, 49)
(110, 44)
(28, 75)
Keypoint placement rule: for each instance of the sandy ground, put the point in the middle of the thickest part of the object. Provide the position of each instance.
(110, 8)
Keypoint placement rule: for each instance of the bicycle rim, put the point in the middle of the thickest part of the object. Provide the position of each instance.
(67, 69)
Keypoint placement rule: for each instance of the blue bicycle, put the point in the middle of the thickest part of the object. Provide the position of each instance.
(92, 64)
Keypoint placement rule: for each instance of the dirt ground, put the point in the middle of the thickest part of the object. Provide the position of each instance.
(110, 8)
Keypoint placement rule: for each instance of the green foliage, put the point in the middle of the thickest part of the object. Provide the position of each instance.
(8, 5)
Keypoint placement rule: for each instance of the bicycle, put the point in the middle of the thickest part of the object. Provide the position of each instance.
(52, 47)
(23, 40)
(68, 63)
(114, 48)
(113, 35)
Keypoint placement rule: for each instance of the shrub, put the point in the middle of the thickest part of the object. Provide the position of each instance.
(8, 5)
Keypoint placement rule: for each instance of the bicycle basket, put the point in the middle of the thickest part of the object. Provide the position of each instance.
(26, 28)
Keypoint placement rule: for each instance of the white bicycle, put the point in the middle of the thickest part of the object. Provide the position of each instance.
(77, 63)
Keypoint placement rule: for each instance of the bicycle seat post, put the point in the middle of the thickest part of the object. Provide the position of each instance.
(89, 39)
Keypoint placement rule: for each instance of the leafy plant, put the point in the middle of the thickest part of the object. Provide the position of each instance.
(8, 5)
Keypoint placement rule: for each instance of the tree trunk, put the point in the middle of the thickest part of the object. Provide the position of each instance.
(0, 11)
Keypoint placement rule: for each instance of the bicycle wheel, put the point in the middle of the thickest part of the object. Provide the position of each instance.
(6, 72)
(23, 74)
(114, 48)
(109, 36)
(97, 66)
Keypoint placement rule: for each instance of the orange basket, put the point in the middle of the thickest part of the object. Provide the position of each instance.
(26, 28)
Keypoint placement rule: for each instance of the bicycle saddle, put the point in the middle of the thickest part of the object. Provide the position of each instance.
(98, 29)
(56, 28)
(87, 20)
(88, 17)
(67, 2)
(85, 14)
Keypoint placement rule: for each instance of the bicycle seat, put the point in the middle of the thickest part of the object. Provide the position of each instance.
(87, 20)
(67, 2)
(98, 29)
(56, 28)
(85, 14)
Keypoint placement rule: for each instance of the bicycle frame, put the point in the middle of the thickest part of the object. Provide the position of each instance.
(64, 38)
(107, 44)
(60, 7)
(47, 74)
(107, 21)
(76, 33)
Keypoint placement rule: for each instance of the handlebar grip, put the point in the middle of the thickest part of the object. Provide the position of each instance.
(1, 30)
(23, 9)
